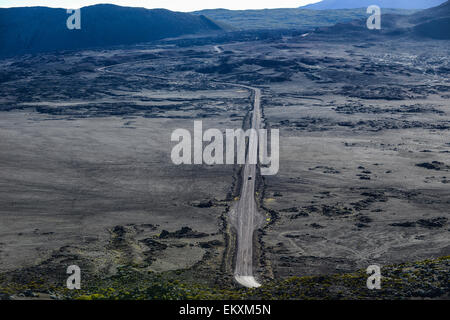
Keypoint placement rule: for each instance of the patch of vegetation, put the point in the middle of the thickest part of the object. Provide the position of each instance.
(422, 279)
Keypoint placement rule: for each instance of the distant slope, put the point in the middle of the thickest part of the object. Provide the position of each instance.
(36, 29)
(293, 18)
(437, 29)
(394, 4)
(431, 23)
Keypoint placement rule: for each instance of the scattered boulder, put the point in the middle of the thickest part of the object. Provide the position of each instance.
(426, 223)
(210, 244)
(203, 204)
(364, 219)
(435, 165)
(403, 224)
(277, 194)
(298, 215)
(154, 245)
(331, 211)
(184, 232)
(433, 223)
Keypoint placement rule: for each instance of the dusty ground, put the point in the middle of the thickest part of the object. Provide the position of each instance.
(364, 160)
(86, 176)
(88, 180)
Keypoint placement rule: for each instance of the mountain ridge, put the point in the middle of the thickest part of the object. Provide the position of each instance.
(354, 4)
(433, 23)
(290, 18)
(40, 29)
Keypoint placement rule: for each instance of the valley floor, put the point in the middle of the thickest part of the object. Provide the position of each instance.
(86, 176)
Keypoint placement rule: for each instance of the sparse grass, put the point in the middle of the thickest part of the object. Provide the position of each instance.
(423, 279)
